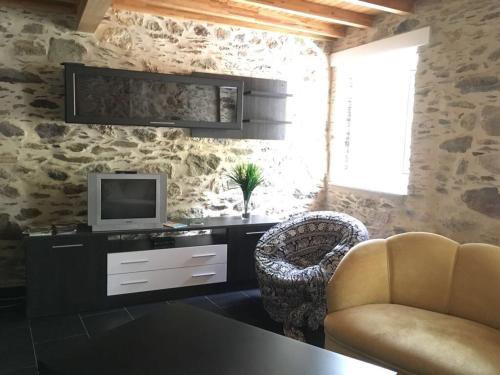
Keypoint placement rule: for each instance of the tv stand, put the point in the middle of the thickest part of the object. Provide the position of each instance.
(88, 270)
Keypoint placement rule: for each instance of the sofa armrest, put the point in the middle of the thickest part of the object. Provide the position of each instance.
(361, 277)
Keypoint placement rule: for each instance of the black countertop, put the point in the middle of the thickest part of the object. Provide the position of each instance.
(192, 224)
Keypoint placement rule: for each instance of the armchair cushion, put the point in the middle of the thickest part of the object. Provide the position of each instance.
(414, 340)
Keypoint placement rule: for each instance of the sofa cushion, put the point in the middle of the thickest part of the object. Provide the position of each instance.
(421, 270)
(416, 340)
(475, 294)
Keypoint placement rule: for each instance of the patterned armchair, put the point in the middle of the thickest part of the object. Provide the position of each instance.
(295, 260)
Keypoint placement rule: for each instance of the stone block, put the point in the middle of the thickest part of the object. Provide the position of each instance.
(65, 50)
(10, 130)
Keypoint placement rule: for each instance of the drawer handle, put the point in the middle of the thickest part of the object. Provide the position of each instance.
(134, 261)
(74, 94)
(204, 274)
(259, 232)
(134, 282)
(204, 255)
(162, 122)
(66, 246)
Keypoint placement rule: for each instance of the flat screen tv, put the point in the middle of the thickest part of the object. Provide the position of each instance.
(126, 201)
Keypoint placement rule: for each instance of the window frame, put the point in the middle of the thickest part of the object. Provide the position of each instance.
(347, 62)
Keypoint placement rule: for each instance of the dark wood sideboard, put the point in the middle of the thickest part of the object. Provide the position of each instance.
(85, 270)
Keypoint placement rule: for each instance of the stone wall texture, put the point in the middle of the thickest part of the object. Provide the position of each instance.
(44, 162)
(455, 163)
(455, 159)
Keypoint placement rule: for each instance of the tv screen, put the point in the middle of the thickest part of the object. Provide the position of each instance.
(124, 201)
(128, 199)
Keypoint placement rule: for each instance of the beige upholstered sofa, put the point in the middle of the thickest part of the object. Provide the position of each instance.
(418, 303)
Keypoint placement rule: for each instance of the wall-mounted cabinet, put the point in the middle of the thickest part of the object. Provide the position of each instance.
(121, 97)
(212, 105)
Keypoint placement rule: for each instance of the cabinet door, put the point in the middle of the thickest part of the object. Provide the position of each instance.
(113, 96)
(241, 251)
(64, 274)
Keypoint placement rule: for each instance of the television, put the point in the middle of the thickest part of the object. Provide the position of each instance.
(126, 201)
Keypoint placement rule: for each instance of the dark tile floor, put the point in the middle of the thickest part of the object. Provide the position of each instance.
(23, 341)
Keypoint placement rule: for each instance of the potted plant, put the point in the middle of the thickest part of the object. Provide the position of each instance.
(247, 176)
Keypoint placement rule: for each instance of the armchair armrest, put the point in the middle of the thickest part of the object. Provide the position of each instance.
(361, 277)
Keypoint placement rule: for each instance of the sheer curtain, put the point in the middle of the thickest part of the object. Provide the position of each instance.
(373, 112)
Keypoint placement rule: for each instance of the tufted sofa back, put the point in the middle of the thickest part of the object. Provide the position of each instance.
(427, 271)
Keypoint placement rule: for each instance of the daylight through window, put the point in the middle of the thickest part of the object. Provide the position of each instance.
(373, 112)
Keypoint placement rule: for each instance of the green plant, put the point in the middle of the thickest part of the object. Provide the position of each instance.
(247, 176)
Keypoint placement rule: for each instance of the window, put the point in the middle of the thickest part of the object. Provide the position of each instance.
(372, 118)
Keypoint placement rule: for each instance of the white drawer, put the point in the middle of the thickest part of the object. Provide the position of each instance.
(164, 279)
(148, 260)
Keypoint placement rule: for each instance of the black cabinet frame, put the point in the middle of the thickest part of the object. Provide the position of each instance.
(68, 273)
(72, 70)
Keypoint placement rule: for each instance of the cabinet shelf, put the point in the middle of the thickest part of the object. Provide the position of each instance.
(267, 94)
(264, 111)
(268, 122)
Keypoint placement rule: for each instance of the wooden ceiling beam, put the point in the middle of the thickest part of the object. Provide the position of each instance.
(316, 11)
(74, 2)
(220, 10)
(228, 9)
(392, 6)
(90, 14)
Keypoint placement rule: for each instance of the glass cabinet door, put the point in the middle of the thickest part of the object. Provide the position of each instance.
(110, 96)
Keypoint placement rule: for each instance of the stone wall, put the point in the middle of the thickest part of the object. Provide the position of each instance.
(44, 162)
(455, 159)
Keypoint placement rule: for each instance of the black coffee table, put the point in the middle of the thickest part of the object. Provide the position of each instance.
(183, 340)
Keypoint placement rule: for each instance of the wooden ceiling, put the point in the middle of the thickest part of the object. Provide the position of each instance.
(319, 19)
